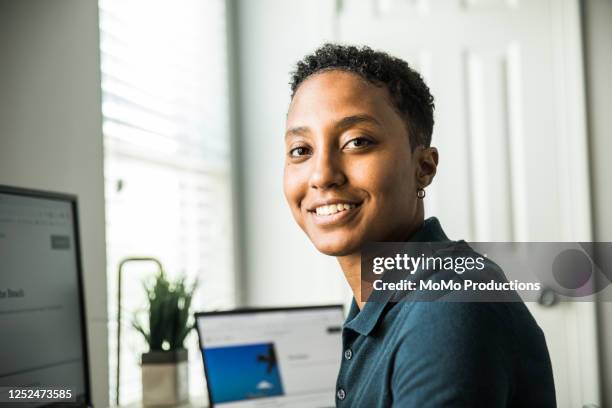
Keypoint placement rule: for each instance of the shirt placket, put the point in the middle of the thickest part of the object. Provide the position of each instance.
(342, 391)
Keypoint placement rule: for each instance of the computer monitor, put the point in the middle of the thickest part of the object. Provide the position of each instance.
(42, 317)
(284, 357)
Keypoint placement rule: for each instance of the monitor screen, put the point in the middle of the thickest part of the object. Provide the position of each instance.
(42, 344)
(272, 358)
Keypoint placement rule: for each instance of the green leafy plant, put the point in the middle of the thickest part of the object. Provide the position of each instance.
(169, 317)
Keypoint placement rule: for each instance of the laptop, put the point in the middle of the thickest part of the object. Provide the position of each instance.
(281, 357)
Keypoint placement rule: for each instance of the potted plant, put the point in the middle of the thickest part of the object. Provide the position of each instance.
(164, 367)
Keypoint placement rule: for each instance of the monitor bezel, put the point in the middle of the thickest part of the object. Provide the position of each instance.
(73, 201)
(248, 310)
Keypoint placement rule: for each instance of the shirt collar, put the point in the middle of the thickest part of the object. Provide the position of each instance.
(365, 320)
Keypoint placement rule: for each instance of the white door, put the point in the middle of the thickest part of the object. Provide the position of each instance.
(510, 128)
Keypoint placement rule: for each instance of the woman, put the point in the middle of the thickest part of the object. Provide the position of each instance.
(358, 160)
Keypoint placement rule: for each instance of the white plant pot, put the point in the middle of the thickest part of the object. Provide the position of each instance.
(165, 380)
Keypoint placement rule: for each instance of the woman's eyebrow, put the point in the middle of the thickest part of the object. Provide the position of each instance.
(353, 120)
(297, 131)
(344, 123)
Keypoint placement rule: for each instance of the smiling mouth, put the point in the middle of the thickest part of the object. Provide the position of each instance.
(331, 209)
(334, 213)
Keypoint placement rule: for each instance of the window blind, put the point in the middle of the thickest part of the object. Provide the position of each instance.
(167, 160)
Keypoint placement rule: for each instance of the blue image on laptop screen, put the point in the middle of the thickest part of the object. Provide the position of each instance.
(237, 373)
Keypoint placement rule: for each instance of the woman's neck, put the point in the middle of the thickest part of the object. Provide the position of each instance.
(351, 267)
(351, 264)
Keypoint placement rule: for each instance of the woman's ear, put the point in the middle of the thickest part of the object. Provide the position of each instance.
(427, 163)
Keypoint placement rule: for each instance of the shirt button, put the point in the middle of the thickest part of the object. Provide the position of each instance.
(341, 394)
(348, 354)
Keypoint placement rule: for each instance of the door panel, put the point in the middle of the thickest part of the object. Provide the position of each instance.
(507, 79)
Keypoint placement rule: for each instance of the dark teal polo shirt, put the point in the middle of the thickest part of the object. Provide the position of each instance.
(443, 354)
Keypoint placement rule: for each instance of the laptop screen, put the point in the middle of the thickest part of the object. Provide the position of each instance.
(272, 357)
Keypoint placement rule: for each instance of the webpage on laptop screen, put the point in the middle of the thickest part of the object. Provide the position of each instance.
(272, 359)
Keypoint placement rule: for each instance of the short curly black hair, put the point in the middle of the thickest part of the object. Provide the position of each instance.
(409, 93)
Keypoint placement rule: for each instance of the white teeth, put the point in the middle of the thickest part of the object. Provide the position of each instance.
(333, 208)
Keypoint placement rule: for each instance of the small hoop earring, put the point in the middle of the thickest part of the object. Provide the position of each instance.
(420, 193)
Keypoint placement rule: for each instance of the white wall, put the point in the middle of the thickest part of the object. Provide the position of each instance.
(597, 16)
(282, 266)
(50, 131)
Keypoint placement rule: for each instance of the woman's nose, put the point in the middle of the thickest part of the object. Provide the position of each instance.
(327, 171)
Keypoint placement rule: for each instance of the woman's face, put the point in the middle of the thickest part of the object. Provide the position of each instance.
(350, 174)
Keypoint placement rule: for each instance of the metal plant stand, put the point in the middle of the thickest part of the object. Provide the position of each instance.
(119, 280)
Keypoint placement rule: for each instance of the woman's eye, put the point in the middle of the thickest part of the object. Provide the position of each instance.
(299, 151)
(358, 142)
